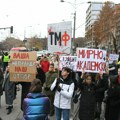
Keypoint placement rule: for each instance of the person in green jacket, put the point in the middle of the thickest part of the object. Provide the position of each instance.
(50, 77)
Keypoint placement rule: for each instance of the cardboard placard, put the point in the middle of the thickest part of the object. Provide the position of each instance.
(22, 66)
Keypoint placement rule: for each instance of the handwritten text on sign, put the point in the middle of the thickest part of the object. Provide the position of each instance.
(91, 60)
(68, 61)
(22, 67)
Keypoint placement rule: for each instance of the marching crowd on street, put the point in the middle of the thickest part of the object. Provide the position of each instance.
(54, 91)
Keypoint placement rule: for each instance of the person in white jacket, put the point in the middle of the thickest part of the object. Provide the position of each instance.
(64, 88)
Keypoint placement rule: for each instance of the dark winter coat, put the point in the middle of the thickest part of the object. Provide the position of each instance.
(36, 106)
(115, 71)
(40, 75)
(101, 86)
(1, 82)
(87, 102)
(113, 103)
(25, 91)
(9, 88)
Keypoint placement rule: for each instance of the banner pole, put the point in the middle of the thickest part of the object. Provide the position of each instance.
(58, 66)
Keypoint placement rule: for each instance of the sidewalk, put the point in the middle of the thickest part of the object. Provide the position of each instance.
(16, 113)
(16, 108)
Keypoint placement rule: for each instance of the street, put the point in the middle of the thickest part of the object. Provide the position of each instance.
(16, 112)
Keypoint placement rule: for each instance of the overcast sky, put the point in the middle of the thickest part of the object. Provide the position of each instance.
(31, 17)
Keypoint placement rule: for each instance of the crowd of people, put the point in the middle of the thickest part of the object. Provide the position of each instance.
(52, 92)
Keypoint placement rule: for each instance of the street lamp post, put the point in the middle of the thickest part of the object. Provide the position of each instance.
(74, 5)
(74, 28)
(74, 25)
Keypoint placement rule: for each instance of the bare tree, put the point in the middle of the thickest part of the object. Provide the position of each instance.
(103, 27)
(11, 42)
(35, 43)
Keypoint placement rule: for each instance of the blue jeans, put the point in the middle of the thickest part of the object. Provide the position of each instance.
(59, 112)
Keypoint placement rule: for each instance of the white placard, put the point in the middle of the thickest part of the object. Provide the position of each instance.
(91, 60)
(113, 57)
(68, 61)
(59, 37)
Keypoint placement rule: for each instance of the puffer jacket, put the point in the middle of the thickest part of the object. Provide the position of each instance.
(63, 98)
(36, 106)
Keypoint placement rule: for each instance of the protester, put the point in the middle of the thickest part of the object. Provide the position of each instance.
(101, 87)
(45, 64)
(1, 82)
(40, 73)
(9, 88)
(113, 70)
(64, 88)
(5, 60)
(87, 99)
(36, 106)
(26, 85)
(24, 91)
(118, 77)
(113, 100)
(55, 62)
(50, 77)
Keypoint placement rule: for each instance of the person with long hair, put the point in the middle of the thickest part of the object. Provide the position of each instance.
(36, 106)
(101, 87)
(112, 111)
(87, 99)
(64, 88)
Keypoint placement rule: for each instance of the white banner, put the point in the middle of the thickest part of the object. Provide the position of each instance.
(68, 61)
(59, 37)
(113, 57)
(91, 60)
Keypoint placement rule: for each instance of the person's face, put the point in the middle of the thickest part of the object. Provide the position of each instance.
(88, 80)
(51, 68)
(119, 71)
(65, 73)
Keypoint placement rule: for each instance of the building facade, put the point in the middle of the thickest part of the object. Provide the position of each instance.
(91, 16)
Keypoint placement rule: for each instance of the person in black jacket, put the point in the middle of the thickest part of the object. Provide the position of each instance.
(40, 73)
(87, 99)
(113, 100)
(101, 87)
(113, 70)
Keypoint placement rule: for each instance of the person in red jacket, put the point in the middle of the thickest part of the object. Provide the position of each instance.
(45, 64)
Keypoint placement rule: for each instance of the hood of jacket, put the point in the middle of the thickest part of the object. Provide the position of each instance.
(35, 95)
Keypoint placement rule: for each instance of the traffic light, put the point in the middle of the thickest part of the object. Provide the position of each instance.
(11, 29)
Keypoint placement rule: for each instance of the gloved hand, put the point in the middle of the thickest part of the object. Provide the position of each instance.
(58, 88)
